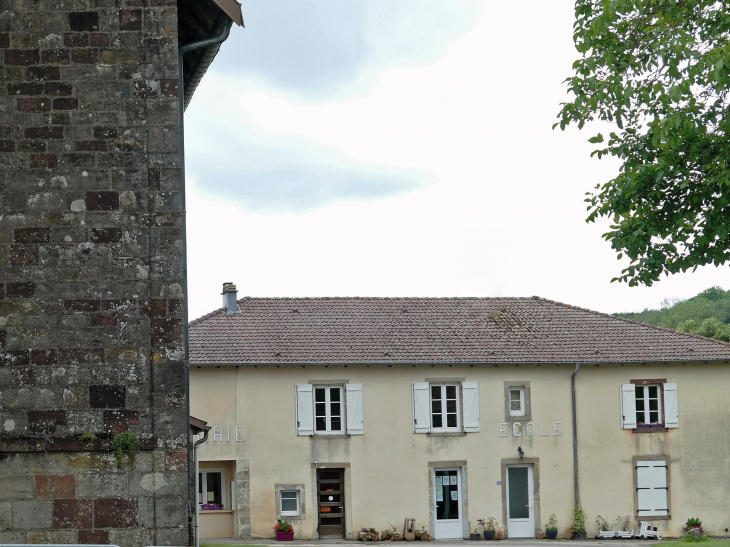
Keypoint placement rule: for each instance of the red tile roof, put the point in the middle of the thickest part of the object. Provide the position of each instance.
(434, 330)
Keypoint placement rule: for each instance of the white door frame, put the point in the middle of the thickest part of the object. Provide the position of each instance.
(452, 528)
(522, 528)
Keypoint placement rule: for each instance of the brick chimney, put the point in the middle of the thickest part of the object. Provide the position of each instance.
(230, 298)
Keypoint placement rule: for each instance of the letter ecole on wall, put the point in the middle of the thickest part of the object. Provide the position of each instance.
(528, 429)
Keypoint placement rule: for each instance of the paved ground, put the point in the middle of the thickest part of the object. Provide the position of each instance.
(442, 543)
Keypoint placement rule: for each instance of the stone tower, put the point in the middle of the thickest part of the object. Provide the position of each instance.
(91, 270)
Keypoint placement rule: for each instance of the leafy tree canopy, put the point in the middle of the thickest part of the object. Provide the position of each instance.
(658, 70)
(707, 314)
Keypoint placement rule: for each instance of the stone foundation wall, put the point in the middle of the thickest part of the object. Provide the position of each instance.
(91, 309)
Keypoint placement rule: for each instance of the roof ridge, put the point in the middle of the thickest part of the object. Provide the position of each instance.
(634, 322)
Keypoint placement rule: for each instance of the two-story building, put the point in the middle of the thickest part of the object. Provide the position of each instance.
(342, 413)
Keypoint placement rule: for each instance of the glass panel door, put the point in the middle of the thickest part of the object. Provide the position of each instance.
(447, 503)
(520, 502)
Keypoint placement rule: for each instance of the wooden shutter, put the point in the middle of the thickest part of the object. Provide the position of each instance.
(305, 409)
(628, 406)
(470, 392)
(353, 398)
(671, 406)
(651, 485)
(421, 413)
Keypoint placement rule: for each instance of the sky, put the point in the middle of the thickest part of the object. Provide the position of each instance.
(383, 148)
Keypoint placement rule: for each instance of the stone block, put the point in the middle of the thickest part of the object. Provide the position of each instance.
(94, 537)
(14, 487)
(90, 485)
(107, 396)
(170, 511)
(102, 201)
(45, 422)
(98, 462)
(72, 514)
(32, 514)
(55, 486)
(116, 513)
(6, 515)
(116, 421)
(140, 537)
(39, 463)
(84, 21)
(54, 536)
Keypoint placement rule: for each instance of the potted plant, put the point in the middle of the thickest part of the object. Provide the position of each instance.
(578, 528)
(693, 529)
(604, 528)
(490, 527)
(623, 525)
(284, 531)
(368, 534)
(476, 536)
(551, 528)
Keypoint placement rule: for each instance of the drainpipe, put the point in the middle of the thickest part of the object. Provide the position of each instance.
(181, 107)
(197, 487)
(575, 438)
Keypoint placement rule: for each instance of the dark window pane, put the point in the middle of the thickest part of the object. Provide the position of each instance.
(653, 404)
(200, 487)
(214, 487)
(436, 407)
(335, 409)
(319, 395)
(653, 392)
(289, 495)
(640, 418)
(451, 392)
(334, 394)
(640, 405)
(450, 406)
(336, 425)
(320, 409)
(451, 420)
(518, 495)
(654, 417)
(321, 424)
(435, 392)
(639, 392)
(336, 521)
(437, 420)
(447, 509)
(288, 504)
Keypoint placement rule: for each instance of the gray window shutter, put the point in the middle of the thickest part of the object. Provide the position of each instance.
(628, 406)
(470, 393)
(421, 404)
(305, 409)
(353, 394)
(671, 406)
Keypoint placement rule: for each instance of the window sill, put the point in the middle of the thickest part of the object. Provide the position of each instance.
(655, 517)
(330, 437)
(215, 511)
(447, 434)
(650, 430)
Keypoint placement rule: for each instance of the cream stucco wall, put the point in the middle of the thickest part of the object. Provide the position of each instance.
(389, 475)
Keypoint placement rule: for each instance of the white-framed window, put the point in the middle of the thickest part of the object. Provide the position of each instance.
(649, 404)
(329, 409)
(651, 488)
(289, 502)
(517, 401)
(212, 489)
(443, 407)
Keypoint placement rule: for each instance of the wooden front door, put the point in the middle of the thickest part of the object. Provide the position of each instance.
(331, 502)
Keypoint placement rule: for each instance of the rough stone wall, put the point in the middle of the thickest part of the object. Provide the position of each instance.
(91, 311)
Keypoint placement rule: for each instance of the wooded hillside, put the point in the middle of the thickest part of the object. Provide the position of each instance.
(707, 314)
